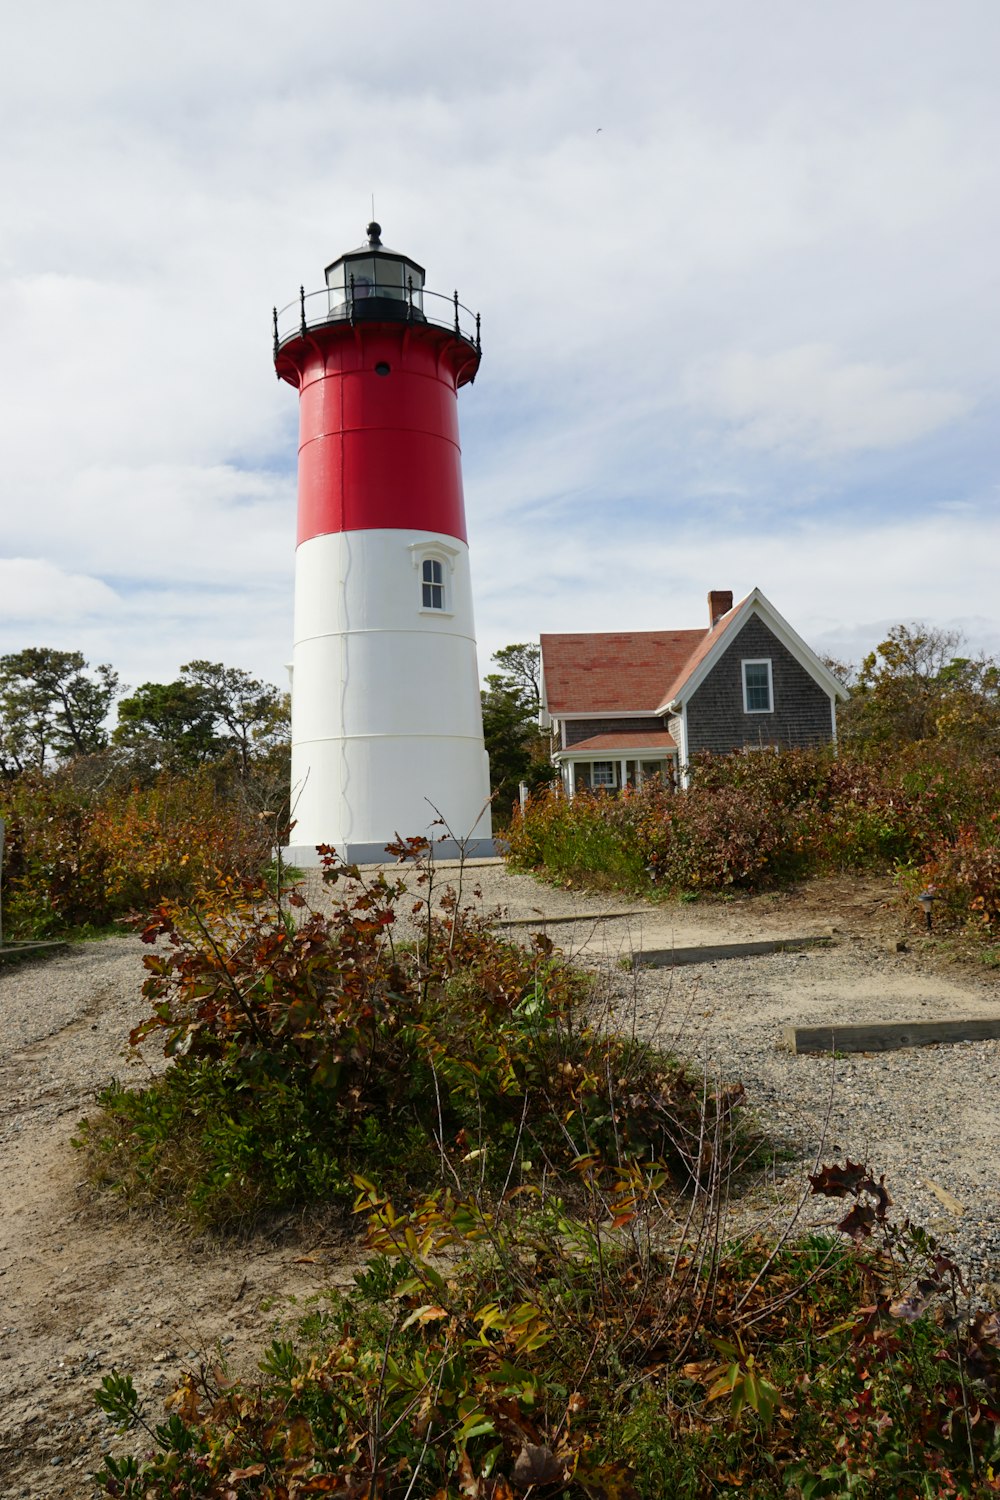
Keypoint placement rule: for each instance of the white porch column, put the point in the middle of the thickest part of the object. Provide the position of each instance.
(571, 778)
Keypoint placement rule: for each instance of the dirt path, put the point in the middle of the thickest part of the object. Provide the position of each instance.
(82, 1289)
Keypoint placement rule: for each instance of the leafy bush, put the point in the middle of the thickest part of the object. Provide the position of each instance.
(303, 1052)
(964, 875)
(76, 858)
(751, 821)
(594, 838)
(524, 1351)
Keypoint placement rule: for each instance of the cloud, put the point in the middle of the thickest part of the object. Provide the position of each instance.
(704, 327)
(809, 401)
(34, 591)
(840, 583)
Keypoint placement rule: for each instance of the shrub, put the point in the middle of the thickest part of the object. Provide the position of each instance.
(965, 877)
(78, 858)
(522, 1350)
(752, 821)
(302, 1052)
(592, 838)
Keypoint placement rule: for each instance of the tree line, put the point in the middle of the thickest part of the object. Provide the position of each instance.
(916, 685)
(55, 708)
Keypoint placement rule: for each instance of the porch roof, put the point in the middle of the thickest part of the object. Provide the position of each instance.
(625, 742)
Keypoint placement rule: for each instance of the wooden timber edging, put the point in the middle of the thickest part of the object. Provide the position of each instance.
(888, 1036)
(565, 918)
(14, 953)
(667, 958)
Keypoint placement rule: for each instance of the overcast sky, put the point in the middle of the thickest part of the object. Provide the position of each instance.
(737, 265)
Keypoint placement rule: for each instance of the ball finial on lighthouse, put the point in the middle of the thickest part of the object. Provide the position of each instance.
(387, 735)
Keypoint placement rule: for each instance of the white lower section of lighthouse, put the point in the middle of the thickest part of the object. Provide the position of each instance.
(387, 731)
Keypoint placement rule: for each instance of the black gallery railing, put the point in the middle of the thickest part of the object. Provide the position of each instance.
(366, 300)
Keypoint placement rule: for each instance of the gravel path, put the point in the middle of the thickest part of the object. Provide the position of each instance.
(928, 1117)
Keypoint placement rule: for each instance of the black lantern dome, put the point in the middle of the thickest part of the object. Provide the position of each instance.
(376, 282)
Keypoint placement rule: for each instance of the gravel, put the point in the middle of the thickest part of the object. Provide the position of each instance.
(926, 1117)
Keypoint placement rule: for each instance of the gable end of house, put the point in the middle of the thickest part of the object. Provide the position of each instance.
(757, 694)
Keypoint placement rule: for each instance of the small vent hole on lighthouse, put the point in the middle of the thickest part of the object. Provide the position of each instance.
(382, 368)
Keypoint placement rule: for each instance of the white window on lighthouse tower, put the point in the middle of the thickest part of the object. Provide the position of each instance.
(433, 584)
(434, 564)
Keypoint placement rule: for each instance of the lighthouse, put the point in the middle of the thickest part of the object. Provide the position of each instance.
(387, 732)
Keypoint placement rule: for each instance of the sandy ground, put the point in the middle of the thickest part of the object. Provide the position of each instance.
(83, 1289)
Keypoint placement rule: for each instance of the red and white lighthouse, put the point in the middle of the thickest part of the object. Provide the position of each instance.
(387, 727)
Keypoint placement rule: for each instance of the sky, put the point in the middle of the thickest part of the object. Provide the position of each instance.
(737, 266)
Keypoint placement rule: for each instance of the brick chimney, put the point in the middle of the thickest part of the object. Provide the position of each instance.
(720, 602)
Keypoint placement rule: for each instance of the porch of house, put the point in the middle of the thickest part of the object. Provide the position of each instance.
(609, 762)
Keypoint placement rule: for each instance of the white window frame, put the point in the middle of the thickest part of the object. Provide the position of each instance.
(435, 583)
(757, 661)
(602, 784)
(424, 552)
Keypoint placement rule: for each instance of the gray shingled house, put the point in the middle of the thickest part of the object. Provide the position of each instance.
(627, 705)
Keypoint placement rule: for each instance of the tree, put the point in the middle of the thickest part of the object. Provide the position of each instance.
(168, 726)
(52, 705)
(253, 714)
(521, 673)
(210, 715)
(517, 749)
(914, 687)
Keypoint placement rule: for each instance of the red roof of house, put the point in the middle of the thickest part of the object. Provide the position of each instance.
(702, 649)
(629, 742)
(619, 672)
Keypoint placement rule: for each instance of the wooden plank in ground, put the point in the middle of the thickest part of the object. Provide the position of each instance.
(578, 916)
(666, 958)
(888, 1036)
(15, 952)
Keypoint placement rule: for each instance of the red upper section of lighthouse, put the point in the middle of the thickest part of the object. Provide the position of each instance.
(378, 384)
(378, 427)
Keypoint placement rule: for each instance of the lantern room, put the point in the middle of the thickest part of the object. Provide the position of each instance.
(375, 282)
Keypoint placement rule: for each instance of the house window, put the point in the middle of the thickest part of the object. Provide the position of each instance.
(432, 575)
(602, 773)
(757, 694)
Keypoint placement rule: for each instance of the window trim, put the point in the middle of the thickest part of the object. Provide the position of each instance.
(439, 552)
(757, 661)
